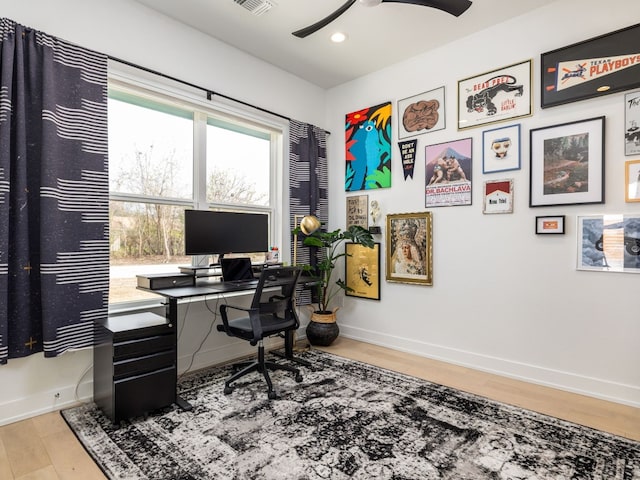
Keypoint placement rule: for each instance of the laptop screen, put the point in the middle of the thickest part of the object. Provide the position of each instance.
(236, 269)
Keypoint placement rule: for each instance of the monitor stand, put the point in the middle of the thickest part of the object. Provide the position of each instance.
(218, 263)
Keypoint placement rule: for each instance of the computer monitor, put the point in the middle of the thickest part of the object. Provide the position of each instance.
(209, 232)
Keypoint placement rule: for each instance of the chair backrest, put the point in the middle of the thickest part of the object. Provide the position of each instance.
(284, 277)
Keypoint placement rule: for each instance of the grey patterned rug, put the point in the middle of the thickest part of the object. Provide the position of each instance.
(347, 420)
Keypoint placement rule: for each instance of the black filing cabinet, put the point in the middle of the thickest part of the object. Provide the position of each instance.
(134, 365)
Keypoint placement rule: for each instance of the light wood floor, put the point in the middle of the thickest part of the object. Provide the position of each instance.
(43, 448)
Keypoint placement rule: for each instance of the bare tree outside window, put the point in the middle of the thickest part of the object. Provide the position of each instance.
(151, 165)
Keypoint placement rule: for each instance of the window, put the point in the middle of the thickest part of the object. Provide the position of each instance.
(168, 153)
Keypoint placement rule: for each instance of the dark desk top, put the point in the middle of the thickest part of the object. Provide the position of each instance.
(204, 287)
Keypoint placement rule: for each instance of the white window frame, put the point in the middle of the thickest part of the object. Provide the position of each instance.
(158, 88)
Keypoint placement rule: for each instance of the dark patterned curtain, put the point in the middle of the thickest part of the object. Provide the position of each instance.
(308, 186)
(54, 193)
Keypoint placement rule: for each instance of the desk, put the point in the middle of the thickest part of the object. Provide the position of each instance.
(204, 287)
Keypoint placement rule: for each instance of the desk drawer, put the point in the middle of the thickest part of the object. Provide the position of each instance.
(145, 364)
(143, 346)
(143, 394)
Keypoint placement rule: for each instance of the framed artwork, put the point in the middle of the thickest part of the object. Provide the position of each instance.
(609, 243)
(496, 96)
(498, 196)
(632, 123)
(362, 271)
(550, 224)
(368, 148)
(409, 256)
(501, 149)
(448, 169)
(632, 181)
(358, 211)
(591, 68)
(567, 163)
(421, 113)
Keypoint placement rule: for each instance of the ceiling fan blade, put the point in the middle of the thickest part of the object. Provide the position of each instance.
(304, 32)
(454, 7)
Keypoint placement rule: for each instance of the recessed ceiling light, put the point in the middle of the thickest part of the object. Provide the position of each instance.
(603, 88)
(338, 37)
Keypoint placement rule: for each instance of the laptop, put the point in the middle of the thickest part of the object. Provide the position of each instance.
(237, 270)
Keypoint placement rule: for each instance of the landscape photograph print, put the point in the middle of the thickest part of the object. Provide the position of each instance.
(567, 163)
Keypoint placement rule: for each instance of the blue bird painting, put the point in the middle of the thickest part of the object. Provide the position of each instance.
(368, 148)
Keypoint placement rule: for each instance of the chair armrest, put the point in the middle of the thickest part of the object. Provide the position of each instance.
(226, 306)
(225, 316)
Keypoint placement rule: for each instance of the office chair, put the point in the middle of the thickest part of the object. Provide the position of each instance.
(273, 317)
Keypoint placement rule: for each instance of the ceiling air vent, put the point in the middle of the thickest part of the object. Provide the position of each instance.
(257, 7)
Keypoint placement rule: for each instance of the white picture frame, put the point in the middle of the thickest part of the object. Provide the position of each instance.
(501, 149)
(422, 113)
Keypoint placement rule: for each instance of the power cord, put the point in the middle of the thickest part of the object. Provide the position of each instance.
(84, 374)
(211, 325)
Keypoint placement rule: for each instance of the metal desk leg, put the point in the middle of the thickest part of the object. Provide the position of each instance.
(172, 316)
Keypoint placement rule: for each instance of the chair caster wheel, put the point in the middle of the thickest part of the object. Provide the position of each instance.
(298, 378)
(228, 390)
(272, 395)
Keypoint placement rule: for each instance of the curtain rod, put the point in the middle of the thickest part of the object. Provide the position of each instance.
(210, 93)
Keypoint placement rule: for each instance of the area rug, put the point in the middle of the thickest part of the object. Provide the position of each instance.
(346, 420)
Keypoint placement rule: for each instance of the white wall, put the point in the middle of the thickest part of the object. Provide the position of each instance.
(503, 300)
(131, 32)
(495, 281)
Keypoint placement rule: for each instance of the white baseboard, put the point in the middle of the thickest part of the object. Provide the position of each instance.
(67, 396)
(228, 352)
(46, 402)
(592, 387)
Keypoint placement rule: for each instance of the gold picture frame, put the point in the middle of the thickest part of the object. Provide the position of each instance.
(362, 271)
(632, 181)
(409, 247)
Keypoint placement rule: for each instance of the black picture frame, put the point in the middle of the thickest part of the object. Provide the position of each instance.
(550, 225)
(362, 271)
(566, 163)
(569, 73)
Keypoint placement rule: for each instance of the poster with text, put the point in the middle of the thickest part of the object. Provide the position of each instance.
(632, 123)
(448, 169)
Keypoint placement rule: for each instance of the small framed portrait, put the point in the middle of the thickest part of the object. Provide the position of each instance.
(501, 149)
(409, 255)
(362, 271)
(358, 211)
(550, 225)
(498, 196)
(632, 181)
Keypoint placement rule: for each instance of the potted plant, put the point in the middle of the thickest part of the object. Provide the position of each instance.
(323, 329)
